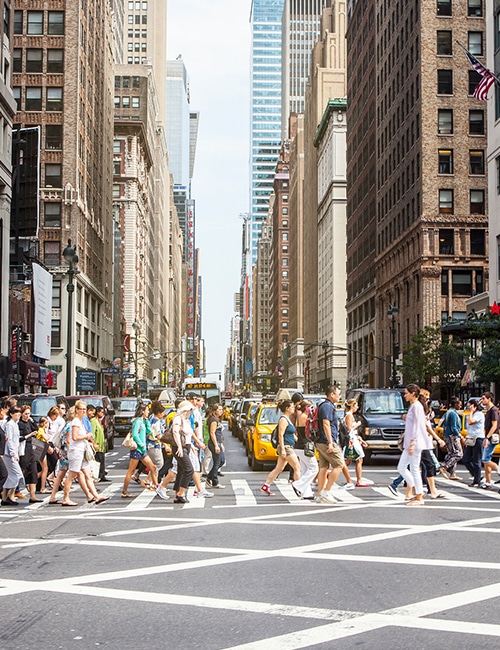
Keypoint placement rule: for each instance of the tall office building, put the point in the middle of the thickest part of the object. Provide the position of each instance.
(417, 186)
(266, 19)
(301, 28)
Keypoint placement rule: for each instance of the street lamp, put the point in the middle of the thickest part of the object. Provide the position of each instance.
(136, 327)
(392, 311)
(71, 258)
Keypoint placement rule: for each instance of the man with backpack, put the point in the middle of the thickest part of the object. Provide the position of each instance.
(330, 454)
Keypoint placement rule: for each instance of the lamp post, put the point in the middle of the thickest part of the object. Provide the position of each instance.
(71, 258)
(136, 327)
(392, 311)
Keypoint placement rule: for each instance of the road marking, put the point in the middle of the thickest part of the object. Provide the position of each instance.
(346, 496)
(141, 501)
(385, 492)
(243, 493)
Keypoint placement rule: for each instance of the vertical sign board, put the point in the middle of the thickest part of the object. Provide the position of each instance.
(24, 209)
(190, 282)
(42, 292)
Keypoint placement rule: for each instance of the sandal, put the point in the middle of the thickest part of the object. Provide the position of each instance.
(416, 502)
(101, 500)
(438, 496)
(126, 495)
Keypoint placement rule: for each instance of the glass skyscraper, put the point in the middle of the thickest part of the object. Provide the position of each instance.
(266, 20)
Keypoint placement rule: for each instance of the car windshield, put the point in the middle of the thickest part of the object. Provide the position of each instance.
(269, 415)
(384, 403)
(40, 406)
(124, 404)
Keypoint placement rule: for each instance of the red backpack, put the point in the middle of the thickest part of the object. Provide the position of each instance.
(312, 423)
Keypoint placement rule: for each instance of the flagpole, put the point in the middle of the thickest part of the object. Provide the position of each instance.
(497, 79)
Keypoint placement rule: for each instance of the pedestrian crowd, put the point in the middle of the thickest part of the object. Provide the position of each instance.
(41, 457)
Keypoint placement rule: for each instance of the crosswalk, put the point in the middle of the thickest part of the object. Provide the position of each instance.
(242, 493)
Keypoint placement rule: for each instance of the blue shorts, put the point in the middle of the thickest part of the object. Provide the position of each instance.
(136, 455)
(488, 453)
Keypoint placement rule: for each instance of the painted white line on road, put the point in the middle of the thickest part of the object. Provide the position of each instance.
(243, 493)
(346, 496)
(385, 492)
(141, 501)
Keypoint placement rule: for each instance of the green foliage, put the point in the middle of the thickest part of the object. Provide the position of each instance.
(487, 362)
(432, 359)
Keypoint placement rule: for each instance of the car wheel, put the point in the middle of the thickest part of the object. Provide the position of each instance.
(255, 465)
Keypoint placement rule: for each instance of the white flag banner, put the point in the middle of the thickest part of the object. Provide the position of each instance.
(42, 296)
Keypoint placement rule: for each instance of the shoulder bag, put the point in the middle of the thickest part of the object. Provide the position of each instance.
(129, 442)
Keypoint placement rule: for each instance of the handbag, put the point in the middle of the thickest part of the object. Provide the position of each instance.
(309, 448)
(89, 453)
(401, 440)
(470, 441)
(168, 437)
(495, 438)
(39, 448)
(129, 442)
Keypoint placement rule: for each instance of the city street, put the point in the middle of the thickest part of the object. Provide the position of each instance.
(250, 572)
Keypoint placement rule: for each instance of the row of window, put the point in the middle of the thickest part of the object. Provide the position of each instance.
(137, 33)
(31, 60)
(447, 241)
(445, 122)
(476, 162)
(137, 5)
(127, 102)
(33, 98)
(447, 202)
(35, 22)
(474, 8)
(444, 43)
(445, 81)
(137, 47)
(462, 282)
(137, 19)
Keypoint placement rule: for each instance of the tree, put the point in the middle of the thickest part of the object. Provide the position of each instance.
(432, 360)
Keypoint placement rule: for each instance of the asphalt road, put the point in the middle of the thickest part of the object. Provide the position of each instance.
(244, 571)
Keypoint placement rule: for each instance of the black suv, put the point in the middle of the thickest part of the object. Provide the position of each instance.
(40, 403)
(380, 412)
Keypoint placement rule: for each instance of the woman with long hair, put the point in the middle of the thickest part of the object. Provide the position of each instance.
(354, 449)
(415, 439)
(308, 464)
(11, 457)
(139, 434)
(286, 443)
(27, 431)
(215, 443)
(182, 432)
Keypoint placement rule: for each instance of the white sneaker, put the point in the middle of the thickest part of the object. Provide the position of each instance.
(327, 497)
(162, 493)
(205, 493)
(349, 486)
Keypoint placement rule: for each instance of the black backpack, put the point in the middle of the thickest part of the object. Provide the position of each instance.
(274, 437)
(343, 434)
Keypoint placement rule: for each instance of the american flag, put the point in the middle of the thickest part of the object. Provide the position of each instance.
(488, 78)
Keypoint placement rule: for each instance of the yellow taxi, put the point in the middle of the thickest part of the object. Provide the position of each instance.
(258, 436)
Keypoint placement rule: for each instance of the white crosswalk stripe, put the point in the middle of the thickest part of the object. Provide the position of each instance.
(346, 496)
(385, 492)
(243, 493)
(141, 501)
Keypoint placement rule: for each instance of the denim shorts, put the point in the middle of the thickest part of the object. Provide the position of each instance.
(488, 453)
(136, 455)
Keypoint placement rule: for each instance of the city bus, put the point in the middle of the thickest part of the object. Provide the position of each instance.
(209, 389)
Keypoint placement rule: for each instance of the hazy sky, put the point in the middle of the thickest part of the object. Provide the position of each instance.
(214, 40)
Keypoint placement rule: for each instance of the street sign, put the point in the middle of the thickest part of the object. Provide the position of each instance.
(86, 381)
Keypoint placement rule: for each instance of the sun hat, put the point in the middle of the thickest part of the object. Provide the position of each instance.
(185, 406)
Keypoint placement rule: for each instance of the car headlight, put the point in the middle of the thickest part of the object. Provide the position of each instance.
(265, 437)
(372, 431)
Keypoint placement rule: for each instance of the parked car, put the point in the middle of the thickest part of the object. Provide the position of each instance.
(380, 411)
(40, 403)
(109, 413)
(125, 408)
(240, 417)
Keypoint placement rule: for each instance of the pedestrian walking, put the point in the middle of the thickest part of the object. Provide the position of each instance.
(182, 432)
(452, 438)
(308, 462)
(139, 434)
(330, 454)
(474, 442)
(354, 449)
(11, 457)
(286, 444)
(491, 437)
(215, 444)
(414, 440)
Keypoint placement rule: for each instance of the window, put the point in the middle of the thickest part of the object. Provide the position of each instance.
(144, 20)
(56, 294)
(284, 261)
(445, 161)
(55, 23)
(52, 213)
(135, 82)
(445, 121)
(17, 60)
(55, 60)
(130, 19)
(476, 122)
(284, 275)
(33, 98)
(445, 82)
(446, 241)
(54, 99)
(53, 175)
(444, 46)
(16, 91)
(474, 79)
(35, 22)
(477, 202)
(284, 326)
(284, 210)
(130, 5)
(444, 283)
(116, 191)
(53, 136)
(443, 7)
(136, 102)
(117, 147)
(117, 168)
(117, 101)
(125, 82)
(446, 201)
(498, 258)
(497, 160)
(284, 286)
(52, 253)
(55, 334)
(18, 22)
(477, 241)
(479, 283)
(476, 162)
(125, 102)
(475, 8)
(34, 60)
(475, 40)
(461, 283)
(284, 223)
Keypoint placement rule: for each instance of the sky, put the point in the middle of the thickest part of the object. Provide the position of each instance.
(214, 40)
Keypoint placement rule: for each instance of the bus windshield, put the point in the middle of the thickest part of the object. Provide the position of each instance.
(209, 390)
